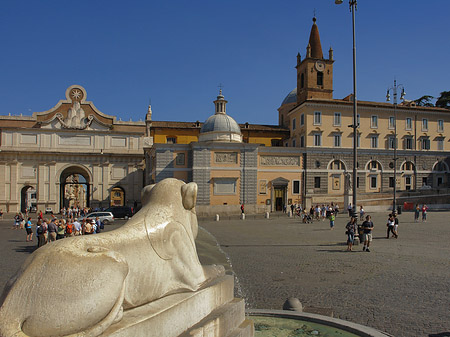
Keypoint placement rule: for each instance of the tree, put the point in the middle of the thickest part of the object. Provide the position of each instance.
(424, 101)
(444, 100)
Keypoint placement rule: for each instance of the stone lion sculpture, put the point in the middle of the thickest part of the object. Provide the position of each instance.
(79, 286)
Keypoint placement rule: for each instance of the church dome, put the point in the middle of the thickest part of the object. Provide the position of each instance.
(291, 97)
(220, 127)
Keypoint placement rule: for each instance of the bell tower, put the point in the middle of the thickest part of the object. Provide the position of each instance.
(314, 72)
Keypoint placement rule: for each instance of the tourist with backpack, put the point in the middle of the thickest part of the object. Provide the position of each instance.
(70, 229)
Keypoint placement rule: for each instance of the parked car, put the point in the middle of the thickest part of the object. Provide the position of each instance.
(121, 211)
(105, 217)
(48, 210)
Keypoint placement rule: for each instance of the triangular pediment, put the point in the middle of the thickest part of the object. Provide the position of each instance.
(280, 181)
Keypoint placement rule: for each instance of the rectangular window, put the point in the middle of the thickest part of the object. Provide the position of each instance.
(374, 141)
(440, 123)
(424, 124)
(337, 119)
(440, 143)
(391, 182)
(171, 140)
(440, 181)
(316, 182)
(373, 182)
(293, 124)
(357, 120)
(374, 122)
(302, 141)
(391, 122)
(391, 142)
(224, 186)
(180, 159)
(317, 118)
(357, 182)
(424, 181)
(293, 143)
(408, 125)
(302, 119)
(408, 143)
(337, 140)
(358, 140)
(425, 143)
(319, 78)
(296, 187)
(317, 139)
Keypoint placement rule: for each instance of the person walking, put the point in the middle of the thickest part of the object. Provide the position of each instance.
(61, 229)
(350, 231)
(361, 213)
(332, 218)
(367, 233)
(390, 226)
(395, 224)
(242, 208)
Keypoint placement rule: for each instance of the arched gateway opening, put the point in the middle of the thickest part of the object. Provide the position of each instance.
(75, 188)
(27, 198)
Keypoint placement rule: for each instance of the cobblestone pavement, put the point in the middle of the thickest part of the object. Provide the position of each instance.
(402, 286)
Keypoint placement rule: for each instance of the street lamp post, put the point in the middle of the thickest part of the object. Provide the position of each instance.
(355, 125)
(388, 98)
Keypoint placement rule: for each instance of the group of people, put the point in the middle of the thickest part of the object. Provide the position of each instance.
(48, 230)
(317, 212)
(419, 210)
(366, 229)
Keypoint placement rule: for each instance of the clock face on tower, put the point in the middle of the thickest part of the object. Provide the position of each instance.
(320, 65)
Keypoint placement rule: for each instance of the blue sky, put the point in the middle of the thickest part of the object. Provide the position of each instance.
(177, 52)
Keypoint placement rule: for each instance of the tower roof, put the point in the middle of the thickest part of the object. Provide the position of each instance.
(314, 41)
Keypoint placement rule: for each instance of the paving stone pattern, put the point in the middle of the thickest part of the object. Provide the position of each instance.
(401, 287)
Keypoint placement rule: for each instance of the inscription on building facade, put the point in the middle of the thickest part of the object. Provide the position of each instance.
(225, 157)
(280, 161)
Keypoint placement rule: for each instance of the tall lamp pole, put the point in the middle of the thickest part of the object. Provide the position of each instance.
(388, 98)
(355, 125)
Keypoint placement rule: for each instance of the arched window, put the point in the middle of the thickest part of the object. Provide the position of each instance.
(374, 165)
(337, 165)
(408, 166)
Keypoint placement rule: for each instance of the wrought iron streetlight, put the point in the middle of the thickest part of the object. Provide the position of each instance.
(355, 125)
(394, 90)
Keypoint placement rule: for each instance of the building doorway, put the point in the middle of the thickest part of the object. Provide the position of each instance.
(27, 198)
(279, 190)
(75, 188)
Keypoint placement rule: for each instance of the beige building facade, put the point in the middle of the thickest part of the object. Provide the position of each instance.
(319, 126)
(71, 155)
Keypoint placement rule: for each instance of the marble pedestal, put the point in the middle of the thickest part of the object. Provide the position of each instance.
(210, 312)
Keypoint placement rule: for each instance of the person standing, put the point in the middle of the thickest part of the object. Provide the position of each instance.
(424, 213)
(416, 213)
(395, 224)
(52, 229)
(28, 229)
(242, 208)
(61, 229)
(77, 227)
(349, 209)
(367, 232)
(350, 231)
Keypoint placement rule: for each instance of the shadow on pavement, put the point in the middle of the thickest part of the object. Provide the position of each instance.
(25, 249)
(441, 334)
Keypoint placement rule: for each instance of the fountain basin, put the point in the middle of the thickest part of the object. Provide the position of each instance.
(282, 323)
